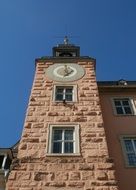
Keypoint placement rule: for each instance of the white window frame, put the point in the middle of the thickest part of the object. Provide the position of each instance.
(122, 139)
(74, 94)
(76, 151)
(131, 104)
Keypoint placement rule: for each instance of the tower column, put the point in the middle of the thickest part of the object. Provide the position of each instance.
(63, 144)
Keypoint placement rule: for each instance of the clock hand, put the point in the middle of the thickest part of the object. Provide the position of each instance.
(67, 70)
(70, 71)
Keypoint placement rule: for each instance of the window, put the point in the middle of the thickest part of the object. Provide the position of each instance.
(65, 54)
(123, 106)
(5, 161)
(65, 93)
(129, 147)
(63, 139)
(2, 161)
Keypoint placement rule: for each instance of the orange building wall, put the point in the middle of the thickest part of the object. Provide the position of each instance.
(115, 126)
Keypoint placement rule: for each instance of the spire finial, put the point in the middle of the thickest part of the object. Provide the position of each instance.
(66, 41)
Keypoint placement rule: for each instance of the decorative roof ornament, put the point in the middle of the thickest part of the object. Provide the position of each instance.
(66, 40)
(66, 49)
(122, 82)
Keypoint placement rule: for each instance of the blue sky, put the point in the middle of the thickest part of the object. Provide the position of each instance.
(104, 29)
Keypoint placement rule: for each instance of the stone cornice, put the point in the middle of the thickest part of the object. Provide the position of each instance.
(65, 59)
(114, 89)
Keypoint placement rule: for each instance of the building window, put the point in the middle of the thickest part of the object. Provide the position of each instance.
(4, 162)
(123, 106)
(129, 147)
(63, 139)
(65, 93)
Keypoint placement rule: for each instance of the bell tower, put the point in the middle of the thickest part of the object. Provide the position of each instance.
(66, 49)
(63, 144)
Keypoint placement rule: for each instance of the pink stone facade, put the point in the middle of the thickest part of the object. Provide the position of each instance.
(34, 169)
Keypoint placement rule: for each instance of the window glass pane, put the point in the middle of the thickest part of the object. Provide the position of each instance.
(128, 145)
(68, 147)
(117, 102)
(69, 90)
(7, 163)
(68, 97)
(125, 102)
(68, 135)
(135, 143)
(127, 110)
(119, 110)
(63, 139)
(1, 160)
(59, 96)
(60, 90)
(57, 135)
(64, 92)
(57, 147)
(132, 159)
(123, 106)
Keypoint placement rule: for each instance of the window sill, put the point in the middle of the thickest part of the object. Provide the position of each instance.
(65, 102)
(125, 115)
(2, 170)
(130, 167)
(63, 155)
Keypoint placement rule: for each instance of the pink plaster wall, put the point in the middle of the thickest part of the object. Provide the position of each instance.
(115, 126)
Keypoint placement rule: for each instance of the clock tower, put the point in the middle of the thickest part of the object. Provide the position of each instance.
(63, 144)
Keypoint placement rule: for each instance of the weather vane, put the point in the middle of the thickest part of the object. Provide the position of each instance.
(66, 40)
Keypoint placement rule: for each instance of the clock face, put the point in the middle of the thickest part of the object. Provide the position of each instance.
(65, 72)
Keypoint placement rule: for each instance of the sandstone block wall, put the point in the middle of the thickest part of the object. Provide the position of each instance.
(34, 169)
